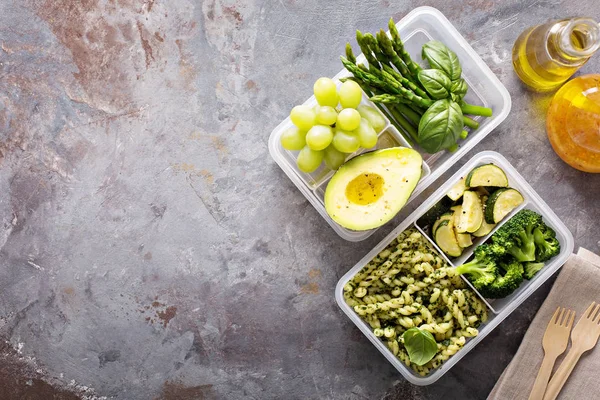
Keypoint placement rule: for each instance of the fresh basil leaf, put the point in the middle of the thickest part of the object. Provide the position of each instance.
(420, 345)
(436, 82)
(459, 88)
(441, 57)
(440, 126)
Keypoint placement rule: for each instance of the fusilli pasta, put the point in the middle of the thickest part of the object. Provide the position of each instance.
(409, 285)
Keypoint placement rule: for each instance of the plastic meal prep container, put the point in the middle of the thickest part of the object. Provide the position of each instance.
(418, 27)
(498, 309)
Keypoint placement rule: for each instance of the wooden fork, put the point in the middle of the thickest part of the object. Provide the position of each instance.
(583, 338)
(554, 343)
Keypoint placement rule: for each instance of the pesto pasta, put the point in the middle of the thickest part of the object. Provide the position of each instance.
(409, 285)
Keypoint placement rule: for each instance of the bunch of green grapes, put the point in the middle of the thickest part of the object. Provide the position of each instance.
(336, 127)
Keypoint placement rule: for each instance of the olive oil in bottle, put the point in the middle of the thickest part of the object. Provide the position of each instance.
(545, 56)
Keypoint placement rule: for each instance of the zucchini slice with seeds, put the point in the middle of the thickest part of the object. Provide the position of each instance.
(487, 175)
(464, 239)
(457, 190)
(484, 229)
(501, 203)
(444, 217)
(471, 215)
(446, 239)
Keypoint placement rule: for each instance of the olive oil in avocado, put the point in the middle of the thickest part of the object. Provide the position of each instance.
(545, 56)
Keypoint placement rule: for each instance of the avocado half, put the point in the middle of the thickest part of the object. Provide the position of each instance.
(369, 190)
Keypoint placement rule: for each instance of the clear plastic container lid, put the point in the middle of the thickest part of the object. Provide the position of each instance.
(418, 27)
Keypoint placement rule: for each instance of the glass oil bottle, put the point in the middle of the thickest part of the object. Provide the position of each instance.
(545, 56)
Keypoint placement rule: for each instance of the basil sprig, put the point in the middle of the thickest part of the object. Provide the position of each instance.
(420, 345)
(458, 89)
(435, 82)
(441, 57)
(440, 126)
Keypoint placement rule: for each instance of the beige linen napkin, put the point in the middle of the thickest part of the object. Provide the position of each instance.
(576, 287)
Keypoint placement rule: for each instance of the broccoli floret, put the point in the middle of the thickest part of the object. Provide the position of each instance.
(531, 269)
(496, 250)
(484, 272)
(482, 269)
(546, 244)
(502, 286)
(516, 235)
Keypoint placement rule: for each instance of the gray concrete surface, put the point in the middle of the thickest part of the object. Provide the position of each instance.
(149, 246)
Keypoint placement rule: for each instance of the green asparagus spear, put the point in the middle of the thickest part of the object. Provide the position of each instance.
(363, 73)
(385, 98)
(416, 109)
(405, 82)
(350, 54)
(475, 110)
(401, 97)
(371, 42)
(399, 125)
(385, 81)
(388, 82)
(386, 46)
(406, 125)
(413, 67)
(413, 116)
(366, 50)
(396, 99)
(471, 123)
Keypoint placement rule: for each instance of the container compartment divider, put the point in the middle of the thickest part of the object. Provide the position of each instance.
(467, 254)
(450, 263)
(433, 244)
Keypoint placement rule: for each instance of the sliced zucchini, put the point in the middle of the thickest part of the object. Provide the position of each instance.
(487, 175)
(482, 191)
(434, 212)
(500, 203)
(447, 216)
(464, 239)
(444, 217)
(484, 229)
(471, 214)
(457, 190)
(446, 239)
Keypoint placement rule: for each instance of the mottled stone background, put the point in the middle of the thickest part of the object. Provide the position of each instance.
(149, 246)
